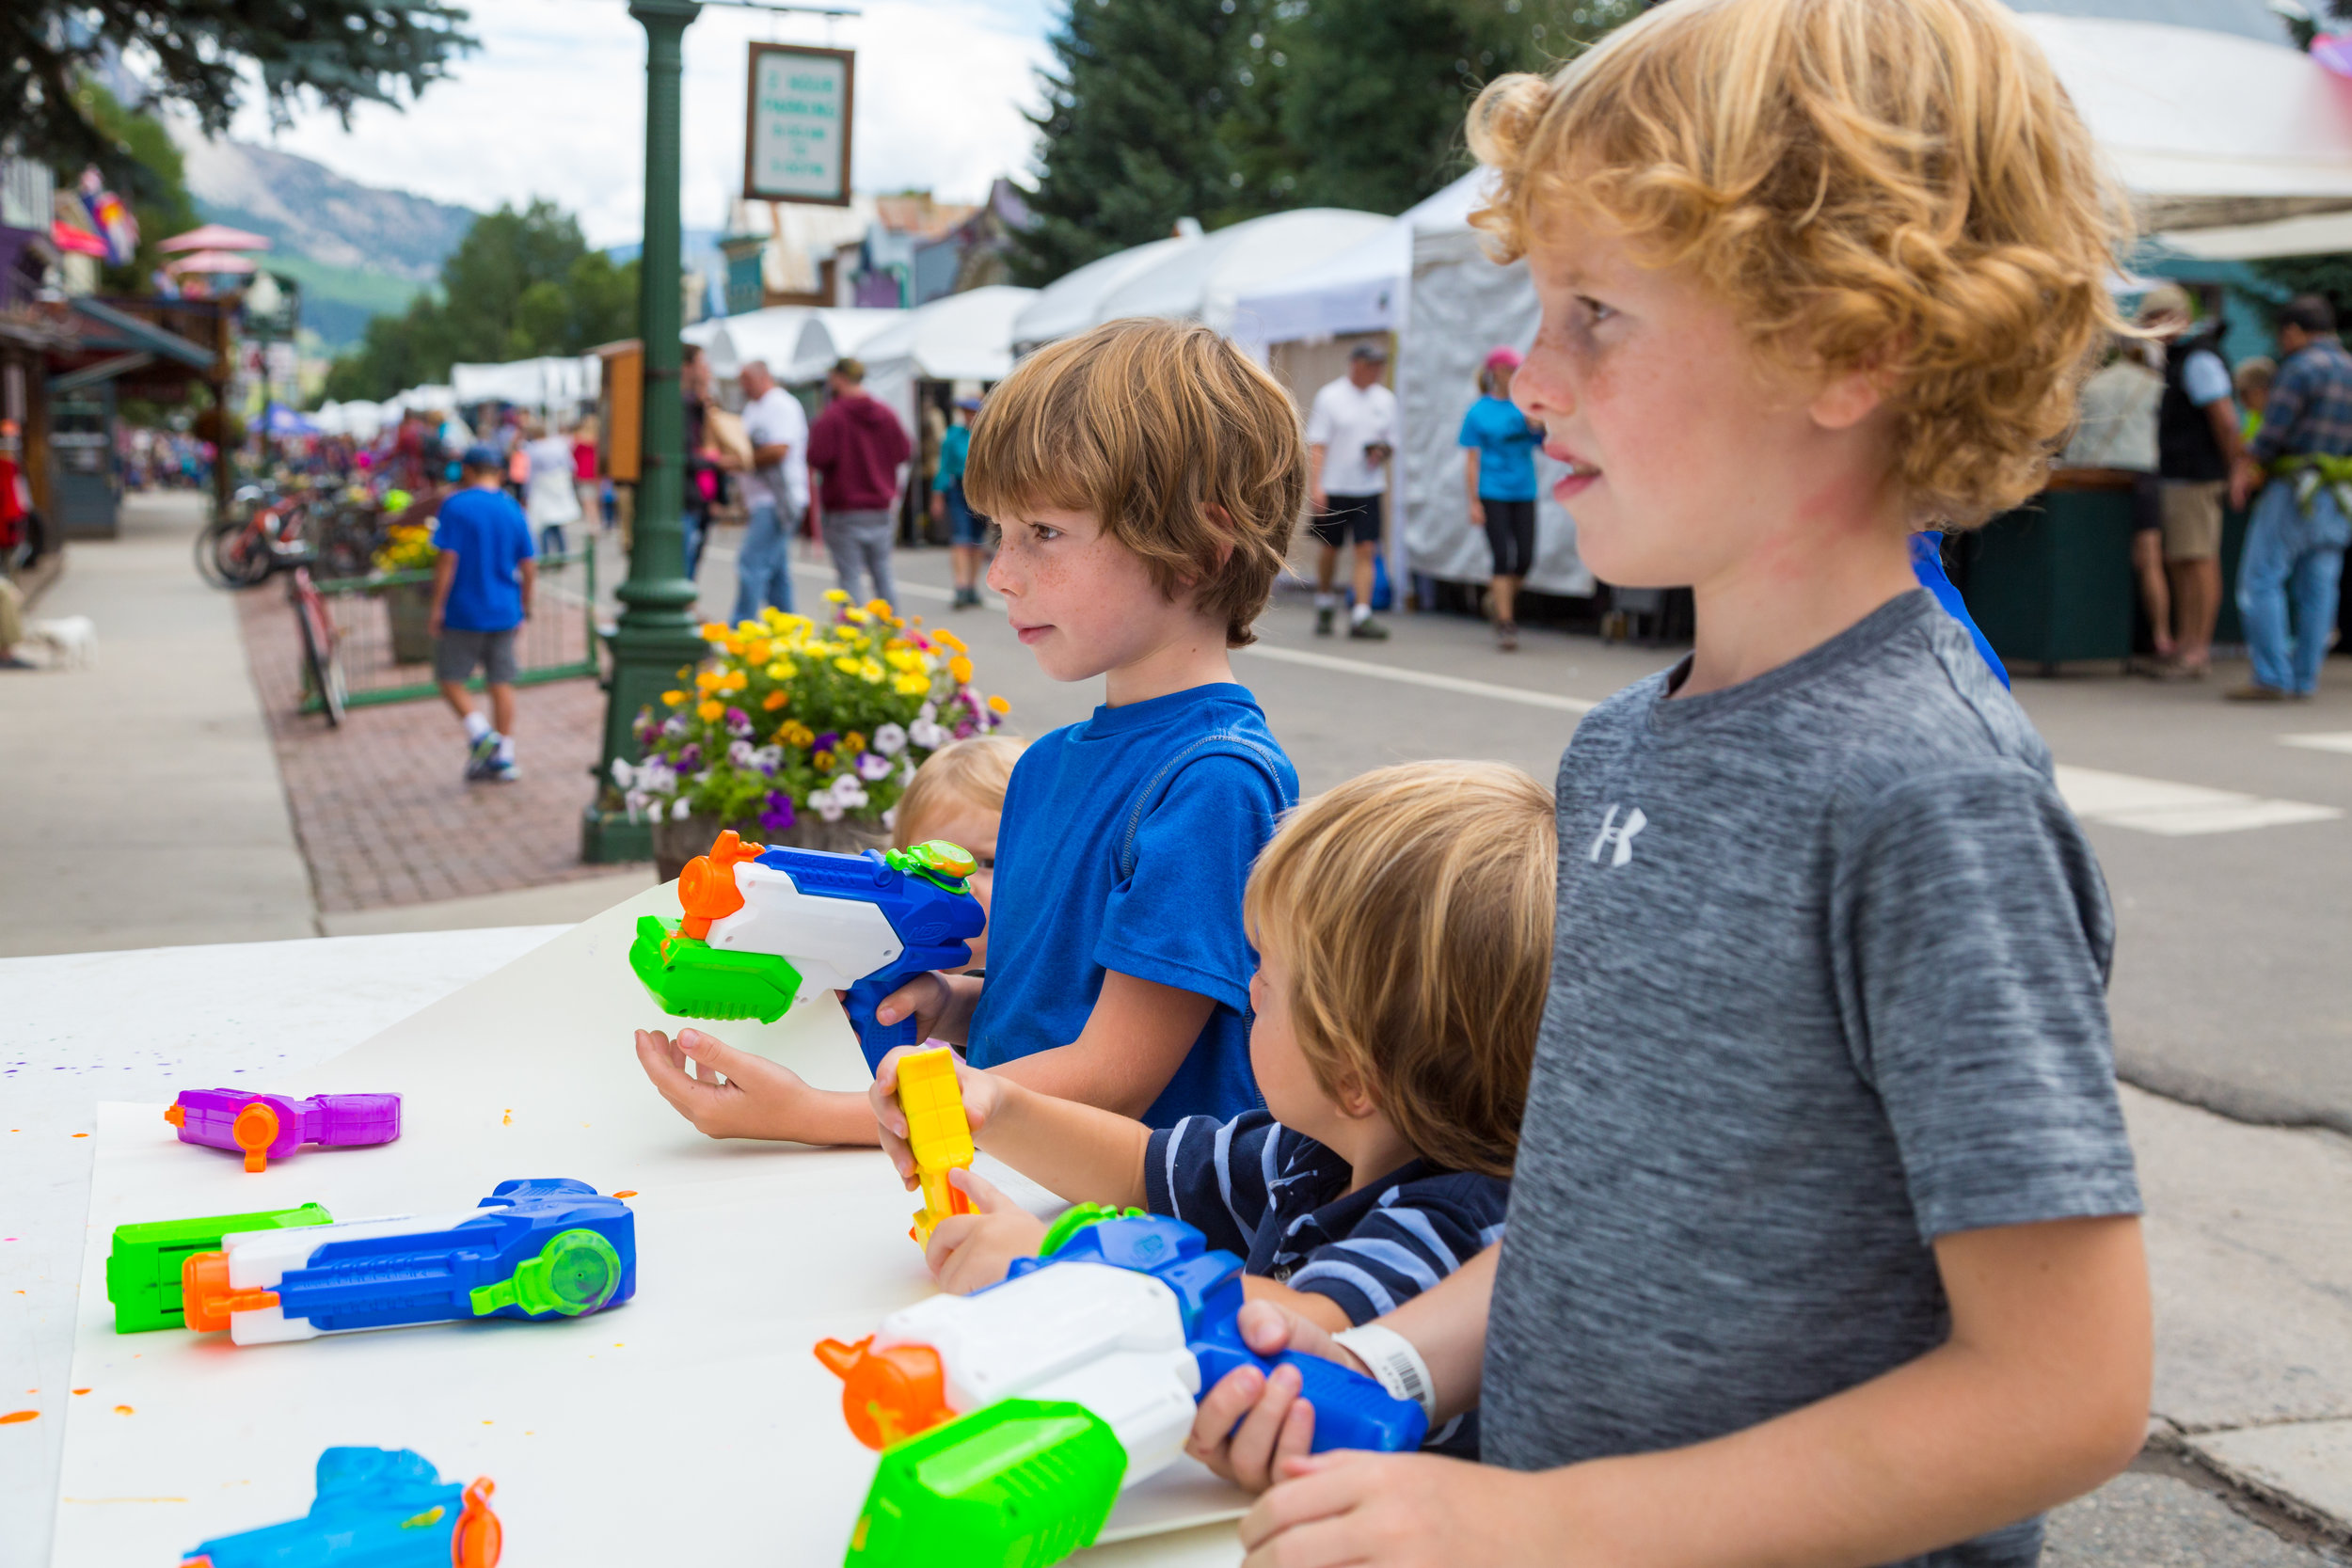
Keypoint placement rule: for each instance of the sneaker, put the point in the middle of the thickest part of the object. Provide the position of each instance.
(1507, 636)
(504, 772)
(2254, 691)
(481, 755)
(1369, 629)
(1323, 620)
(966, 598)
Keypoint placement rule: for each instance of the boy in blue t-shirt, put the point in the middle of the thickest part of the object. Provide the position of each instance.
(1146, 478)
(484, 581)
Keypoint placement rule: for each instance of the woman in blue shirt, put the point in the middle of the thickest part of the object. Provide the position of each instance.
(1499, 471)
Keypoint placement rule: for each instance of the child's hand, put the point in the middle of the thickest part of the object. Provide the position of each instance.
(982, 1093)
(1405, 1511)
(760, 1099)
(971, 1252)
(1250, 1424)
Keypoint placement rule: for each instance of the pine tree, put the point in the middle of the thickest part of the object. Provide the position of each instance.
(1137, 128)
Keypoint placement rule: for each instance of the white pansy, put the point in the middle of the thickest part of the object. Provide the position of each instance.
(680, 809)
(740, 754)
(870, 767)
(889, 740)
(823, 804)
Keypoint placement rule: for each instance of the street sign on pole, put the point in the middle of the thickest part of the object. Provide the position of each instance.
(796, 131)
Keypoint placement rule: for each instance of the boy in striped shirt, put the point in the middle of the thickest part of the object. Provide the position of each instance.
(1403, 924)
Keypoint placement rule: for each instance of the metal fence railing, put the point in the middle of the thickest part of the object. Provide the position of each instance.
(385, 644)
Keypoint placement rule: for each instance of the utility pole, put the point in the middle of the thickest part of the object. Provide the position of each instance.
(655, 635)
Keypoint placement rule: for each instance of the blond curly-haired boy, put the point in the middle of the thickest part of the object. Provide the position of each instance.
(1822, 1243)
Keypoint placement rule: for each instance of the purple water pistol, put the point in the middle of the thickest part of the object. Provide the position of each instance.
(270, 1126)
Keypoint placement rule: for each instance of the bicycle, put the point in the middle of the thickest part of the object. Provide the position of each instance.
(241, 552)
(321, 660)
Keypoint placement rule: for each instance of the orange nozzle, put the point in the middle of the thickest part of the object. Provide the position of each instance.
(705, 888)
(479, 1537)
(887, 1396)
(207, 1298)
(175, 1115)
(254, 1130)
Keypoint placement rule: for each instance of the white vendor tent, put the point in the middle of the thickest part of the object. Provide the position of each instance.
(1205, 281)
(772, 336)
(1073, 302)
(965, 336)
(1360, 289)
(359, 420)
(547, 384)
(829, 335)
(2205, 128)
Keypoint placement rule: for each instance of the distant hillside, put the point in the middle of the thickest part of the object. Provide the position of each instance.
(356, 251)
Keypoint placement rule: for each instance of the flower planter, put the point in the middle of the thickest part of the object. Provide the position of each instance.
(409, 605)
(677, 840)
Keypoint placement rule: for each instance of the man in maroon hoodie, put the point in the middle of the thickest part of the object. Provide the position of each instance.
(854, 450)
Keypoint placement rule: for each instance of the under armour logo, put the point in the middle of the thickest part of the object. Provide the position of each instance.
(1621, 836)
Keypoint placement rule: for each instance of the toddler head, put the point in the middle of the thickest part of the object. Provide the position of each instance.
(1896, 191)
(1404, 925)
(959, 795)
(1186, 455)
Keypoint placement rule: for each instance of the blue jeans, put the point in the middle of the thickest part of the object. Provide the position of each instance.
(763, 573)
(2291, 558)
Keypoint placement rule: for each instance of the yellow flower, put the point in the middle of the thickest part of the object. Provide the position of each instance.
(775, 700)
(709, 680)
(755, 649)
(794, 733)
(854, 742)
(684, 670)
(913, 684)
(847, 665)
(960, 668)
(903, 659)
(781, 670)
(709, 708)
(673, 698)
(734, 680)
(872, 671)
(836, 595)
(858, 617)
(878, 607)
(823, 762)
(773, 616)
(999, 707)
(713, 633)
(944, 635)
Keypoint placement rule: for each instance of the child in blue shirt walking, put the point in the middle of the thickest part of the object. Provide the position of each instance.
(484, 581)
(1146, 478)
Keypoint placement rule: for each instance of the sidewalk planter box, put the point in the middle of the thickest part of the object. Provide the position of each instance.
(2051, 582)
(677, 840)
(409, 605)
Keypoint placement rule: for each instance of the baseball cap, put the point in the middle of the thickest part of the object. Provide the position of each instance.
(1503, 356)
(482, 455)
(1376, 352)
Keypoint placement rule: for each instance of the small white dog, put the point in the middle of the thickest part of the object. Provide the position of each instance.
(72, 641)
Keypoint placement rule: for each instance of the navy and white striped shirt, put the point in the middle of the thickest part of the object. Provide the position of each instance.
(1279, 1200)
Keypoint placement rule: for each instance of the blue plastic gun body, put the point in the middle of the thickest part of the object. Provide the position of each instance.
(375, 1508)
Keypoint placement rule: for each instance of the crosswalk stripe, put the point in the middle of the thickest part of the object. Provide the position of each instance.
(2338, 740)
(2176, 809)
(1423, 678)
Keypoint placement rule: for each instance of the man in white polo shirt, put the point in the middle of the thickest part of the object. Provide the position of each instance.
(776, 491)
(1351, 433)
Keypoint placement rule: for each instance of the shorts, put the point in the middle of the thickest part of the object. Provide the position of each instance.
(964, 526)
(458, 653)
(1355, 517)
(2192, 519)
(1511, 534)
(2147, 504)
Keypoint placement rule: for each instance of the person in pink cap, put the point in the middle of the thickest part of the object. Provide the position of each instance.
(1499, 472)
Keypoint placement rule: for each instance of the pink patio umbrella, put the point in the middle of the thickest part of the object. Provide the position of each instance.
(209, 262)
(216, 236)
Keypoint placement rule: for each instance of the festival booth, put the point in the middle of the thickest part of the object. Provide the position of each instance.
(553, 386)
(1073, 302)
(770, 336)
(1206, 280)
(829, 335)
(965, 336)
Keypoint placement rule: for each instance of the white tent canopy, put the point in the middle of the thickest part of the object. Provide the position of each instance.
(359, 420)
(1205, 281)
(545, 384)
(2204, 128)
(772, 335)
(965, 336)
(829, 335)
(1362, 289)
(1073, 302)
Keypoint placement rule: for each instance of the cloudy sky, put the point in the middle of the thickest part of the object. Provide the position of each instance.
(554, 105)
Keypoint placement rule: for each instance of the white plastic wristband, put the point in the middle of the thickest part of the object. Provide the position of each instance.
(1393, 1361)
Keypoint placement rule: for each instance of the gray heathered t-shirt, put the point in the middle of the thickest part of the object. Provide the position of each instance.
(1829, 984)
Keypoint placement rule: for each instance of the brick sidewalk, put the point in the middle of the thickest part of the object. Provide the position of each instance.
(381, 807)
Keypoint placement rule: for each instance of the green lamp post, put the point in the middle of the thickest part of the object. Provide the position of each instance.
(655, 635)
